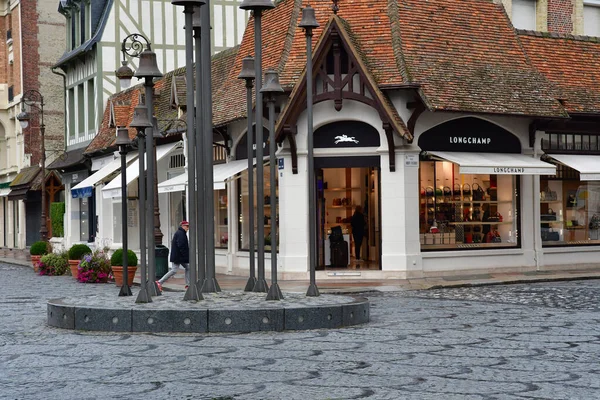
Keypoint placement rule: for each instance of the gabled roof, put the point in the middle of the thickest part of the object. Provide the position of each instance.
(571, 63)
(298, 94)
(100, 11)
(463, 55)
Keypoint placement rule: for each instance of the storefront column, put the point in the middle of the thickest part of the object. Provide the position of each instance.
(22, 224)
(401, 249)
(293, 217)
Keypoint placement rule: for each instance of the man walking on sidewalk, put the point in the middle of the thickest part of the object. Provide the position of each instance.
(180, 255)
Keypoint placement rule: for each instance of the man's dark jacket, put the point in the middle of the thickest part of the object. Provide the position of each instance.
(180, 249)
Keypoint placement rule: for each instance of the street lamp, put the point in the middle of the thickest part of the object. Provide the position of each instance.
(271, 90)
(193, 292)
(34, 99)
(141, 123)
(148, 69)
(257, 7)
(123, 141)
(308, 23)
(248, 75)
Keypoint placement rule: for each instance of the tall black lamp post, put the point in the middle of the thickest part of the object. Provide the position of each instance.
(248, 75)
(34, 99)
(141, 123)
(123, 141)
(308, 23)
(148, 70)
(271, 89)
(257, 7)
(194, 182)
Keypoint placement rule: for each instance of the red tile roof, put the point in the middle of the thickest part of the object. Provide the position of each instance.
(464, 54)
(467, 57)
(572, 63)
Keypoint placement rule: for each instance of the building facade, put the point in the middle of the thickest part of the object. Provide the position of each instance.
(30, 31)
(95, 31)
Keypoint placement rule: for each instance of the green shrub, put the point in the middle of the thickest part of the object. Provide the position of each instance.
(40, 248)
(53, 264)
(57, 212)
(77, 251)
(117, 258)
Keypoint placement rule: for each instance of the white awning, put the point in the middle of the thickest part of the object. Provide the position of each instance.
(4, 192)
(496, 163)
(113, 189)
(222, 173)
(85, 187)
(588, 166)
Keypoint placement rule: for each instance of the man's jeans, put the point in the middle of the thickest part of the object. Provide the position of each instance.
(173, 271)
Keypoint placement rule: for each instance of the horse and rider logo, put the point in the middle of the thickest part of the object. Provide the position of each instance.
(345, 138)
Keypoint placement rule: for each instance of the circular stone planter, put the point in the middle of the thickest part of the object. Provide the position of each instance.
(218, 312)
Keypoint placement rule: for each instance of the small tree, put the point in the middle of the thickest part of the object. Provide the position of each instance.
(77, 251)
(117, 258)
(40, 248)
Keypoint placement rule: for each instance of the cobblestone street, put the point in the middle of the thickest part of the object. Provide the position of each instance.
(536, 341)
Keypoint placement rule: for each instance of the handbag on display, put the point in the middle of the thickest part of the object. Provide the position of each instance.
(478, 193)
(594, 222)
(549, 195)
(447, 191)
(429, 191)
(466, 189)
(550, 216)
(456, 192)
(438, 192)
(495, 218)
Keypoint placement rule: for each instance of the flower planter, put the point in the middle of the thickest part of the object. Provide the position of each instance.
(118, 274)
(74, 264)
(35, 260)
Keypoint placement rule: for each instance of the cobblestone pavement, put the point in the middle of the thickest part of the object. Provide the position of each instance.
(538, 341)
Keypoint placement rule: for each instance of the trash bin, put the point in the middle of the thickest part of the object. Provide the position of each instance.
(162, 260)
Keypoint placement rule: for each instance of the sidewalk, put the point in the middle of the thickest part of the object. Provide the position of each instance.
(230, 282)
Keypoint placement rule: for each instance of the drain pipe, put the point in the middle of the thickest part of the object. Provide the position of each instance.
(537, 235)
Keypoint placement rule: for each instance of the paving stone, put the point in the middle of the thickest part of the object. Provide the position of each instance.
(534, 341)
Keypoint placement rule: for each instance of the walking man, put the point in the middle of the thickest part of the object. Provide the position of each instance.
(180, 255)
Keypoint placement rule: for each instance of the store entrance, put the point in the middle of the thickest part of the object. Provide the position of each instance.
(340, 192)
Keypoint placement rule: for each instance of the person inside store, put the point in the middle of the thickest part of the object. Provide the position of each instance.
(180, 255)
(358, 230)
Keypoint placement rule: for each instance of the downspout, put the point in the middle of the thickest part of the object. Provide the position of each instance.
(66, 217)
(537, 246)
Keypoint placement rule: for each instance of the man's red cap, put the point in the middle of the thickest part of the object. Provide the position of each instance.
(184, 223)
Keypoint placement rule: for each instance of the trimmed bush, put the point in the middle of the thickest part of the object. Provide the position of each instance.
(117, 258)
(77, 251)
(53, 264)
(40, 248)
(57, 212)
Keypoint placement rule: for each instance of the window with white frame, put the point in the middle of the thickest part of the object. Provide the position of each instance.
(523, 14)
(591, 17)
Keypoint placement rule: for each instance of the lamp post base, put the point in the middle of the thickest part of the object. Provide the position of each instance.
(250, 284)
(193, 294)
(274, 292)
(261, 286)
(143, 295)
(125, 290)
(210, 285)
(153, 289)
(313, 291)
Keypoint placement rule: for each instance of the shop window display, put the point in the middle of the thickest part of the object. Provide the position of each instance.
(261, 216)
(569, 212)
(466, 211)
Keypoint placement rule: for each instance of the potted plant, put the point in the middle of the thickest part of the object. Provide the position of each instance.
(53, 264)
(94, 268)
(116, 262)
(37, 250)
(76, 253)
